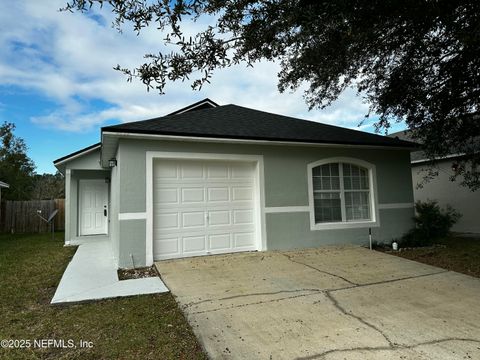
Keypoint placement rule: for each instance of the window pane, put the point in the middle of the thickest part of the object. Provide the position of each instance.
(334, 169)
(357, 205)
(325, 177)
(327, 193)
(347, 183)
(317, 183)
(349, 213)
(348, 199)
(364, 182)
(355, 177)
(356, 183)
(326, 183)
(326, 170)
(327, 207)
(355, 170)
(335, 183)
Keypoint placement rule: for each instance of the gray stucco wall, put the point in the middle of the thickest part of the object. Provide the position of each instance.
(285, 177)
(89, 161)
(292, 230)
(451, 193)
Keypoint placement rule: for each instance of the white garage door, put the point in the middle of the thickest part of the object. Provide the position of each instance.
(203, 207)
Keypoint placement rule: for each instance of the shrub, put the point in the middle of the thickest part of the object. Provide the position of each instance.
(431, 223)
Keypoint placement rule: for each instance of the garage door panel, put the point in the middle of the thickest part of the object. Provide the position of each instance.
(242, 193)
(193, 219)
(165, 221)
(216, 194)
(167, 246)
(194, 244)
(168, 170)
(166, 196)
(192, 171)
(220, 242)
(217, 171)
(203, 207)
(219, 217)
(242, 171)
(193, 194)
(246, 239)
(243, 216)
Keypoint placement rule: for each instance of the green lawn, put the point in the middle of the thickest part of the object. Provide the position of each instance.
(459, 254)
(140, 327)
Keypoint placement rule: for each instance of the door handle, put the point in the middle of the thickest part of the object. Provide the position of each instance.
(104, 212)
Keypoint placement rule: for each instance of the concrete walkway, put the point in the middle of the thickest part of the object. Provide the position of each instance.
(92, 275)
(331, 303)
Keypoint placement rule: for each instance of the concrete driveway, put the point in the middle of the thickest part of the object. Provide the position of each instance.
(329, 303)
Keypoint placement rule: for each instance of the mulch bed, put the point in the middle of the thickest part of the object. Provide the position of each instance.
(455, 253)
(139, 273)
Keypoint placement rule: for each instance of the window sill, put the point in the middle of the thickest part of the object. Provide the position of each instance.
(344, 225)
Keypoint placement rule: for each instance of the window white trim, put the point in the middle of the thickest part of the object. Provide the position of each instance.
(396, 206)
(286, 209)
(372, 176)
(261, 232)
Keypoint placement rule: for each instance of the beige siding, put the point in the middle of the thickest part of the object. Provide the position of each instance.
(447, 192)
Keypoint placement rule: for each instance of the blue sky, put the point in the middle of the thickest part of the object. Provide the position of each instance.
(58, 86)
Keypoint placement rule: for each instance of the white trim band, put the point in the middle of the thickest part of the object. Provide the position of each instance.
(286, 209)
(396, 206)
(132, 216)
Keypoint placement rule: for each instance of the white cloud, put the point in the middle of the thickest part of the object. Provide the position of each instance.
(69, 58)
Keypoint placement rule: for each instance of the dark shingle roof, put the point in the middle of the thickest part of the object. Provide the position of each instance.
(236, 122)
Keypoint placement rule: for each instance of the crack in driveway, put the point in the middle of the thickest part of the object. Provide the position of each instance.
(247, 295)
(312, 290)
(359, 318)
(319, 270)
(389, 281)
(390, 347)
(257, 303)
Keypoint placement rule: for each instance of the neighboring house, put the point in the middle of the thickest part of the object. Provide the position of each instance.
(212, 179)
(442, 189)
(3, 185)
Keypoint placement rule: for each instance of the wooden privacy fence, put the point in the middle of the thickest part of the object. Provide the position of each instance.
(22, 216)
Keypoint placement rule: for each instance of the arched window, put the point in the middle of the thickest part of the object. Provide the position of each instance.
(341, 192)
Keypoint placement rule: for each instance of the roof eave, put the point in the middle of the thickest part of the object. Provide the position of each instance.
(60, 162)
(271, 141)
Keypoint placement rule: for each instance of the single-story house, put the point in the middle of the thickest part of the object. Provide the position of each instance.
(3, 185)
(442, 189)
(210, 179)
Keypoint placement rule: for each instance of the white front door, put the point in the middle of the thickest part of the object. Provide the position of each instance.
(203, 207)
(93, 209)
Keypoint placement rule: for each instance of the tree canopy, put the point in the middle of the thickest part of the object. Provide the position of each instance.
(416, 61)
(48, 186)
(16, 168)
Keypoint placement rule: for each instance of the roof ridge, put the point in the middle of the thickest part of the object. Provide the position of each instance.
(233, 121)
